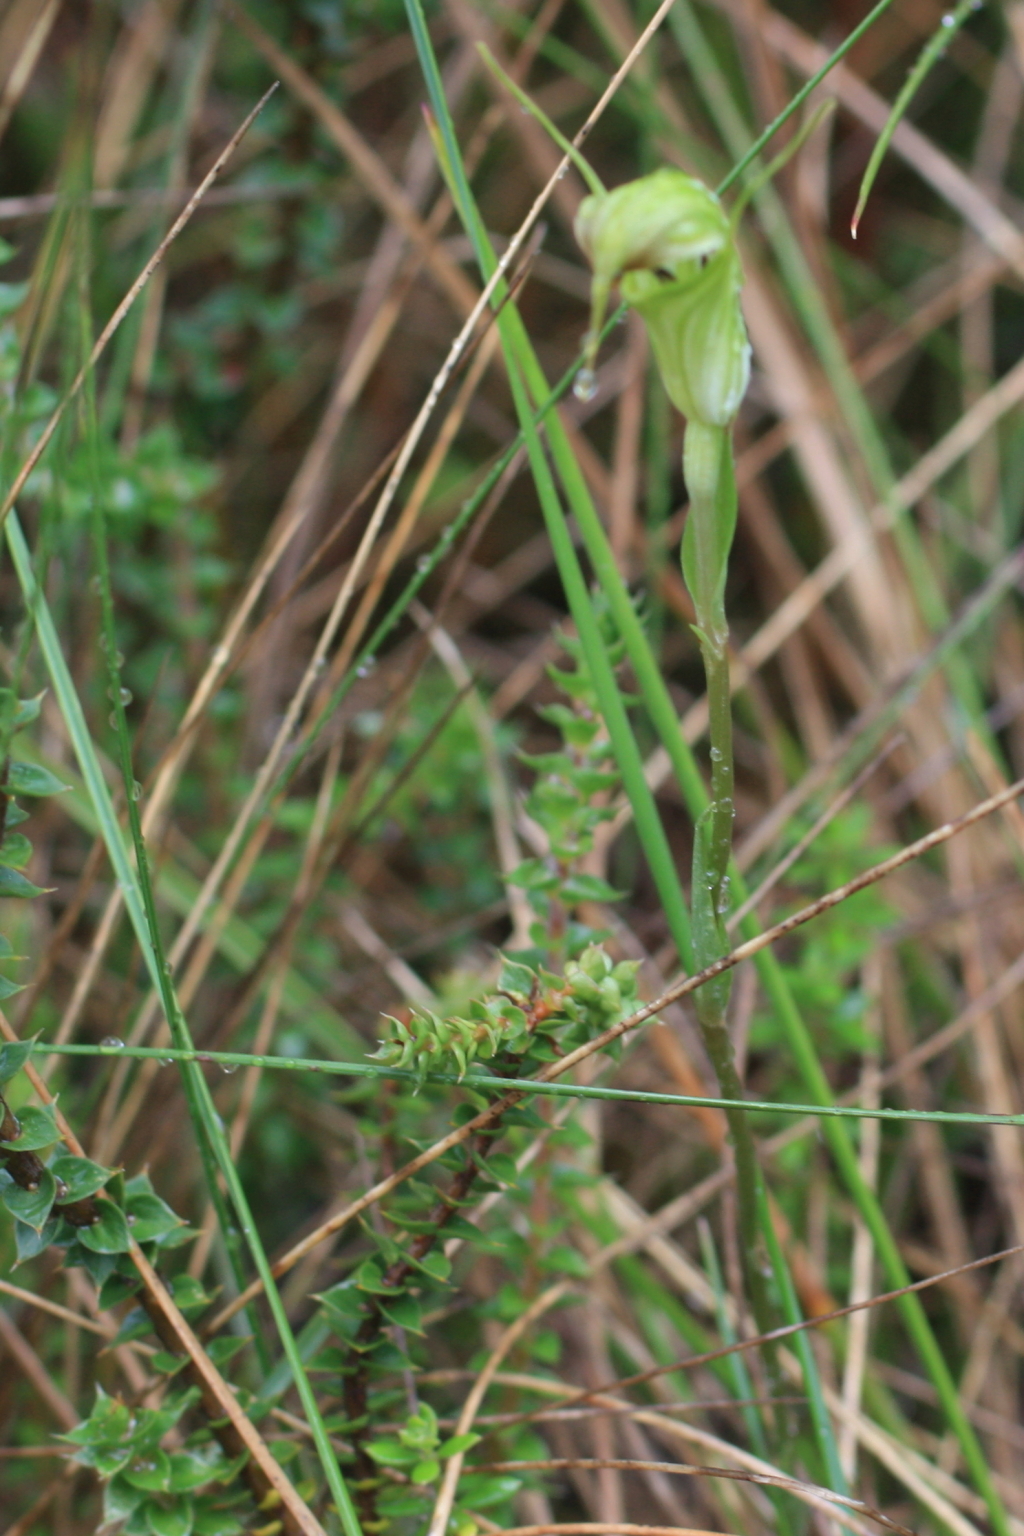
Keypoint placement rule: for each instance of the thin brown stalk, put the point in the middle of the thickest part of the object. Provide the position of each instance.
(682, 989)
(33, 1299)
(677, 1469)
(32, 1368)
(263, 1472)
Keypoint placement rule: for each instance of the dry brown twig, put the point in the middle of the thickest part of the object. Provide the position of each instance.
(558, 1068)
(263, 1470)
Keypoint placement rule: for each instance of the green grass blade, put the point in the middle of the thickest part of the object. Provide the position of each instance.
(521, 360)
(656, 699)
(930, 54)
(139, 902)
(554, 1089)
(739, 1376)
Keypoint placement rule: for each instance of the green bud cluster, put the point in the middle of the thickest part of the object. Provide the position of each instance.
(156, 1491)
(518, 1025)
(418, 1449)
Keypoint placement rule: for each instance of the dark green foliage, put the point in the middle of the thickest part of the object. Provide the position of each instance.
(157, 1492)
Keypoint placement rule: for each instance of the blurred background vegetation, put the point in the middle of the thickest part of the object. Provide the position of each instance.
(245, 415)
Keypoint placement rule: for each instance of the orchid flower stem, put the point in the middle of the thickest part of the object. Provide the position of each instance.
(707, 462)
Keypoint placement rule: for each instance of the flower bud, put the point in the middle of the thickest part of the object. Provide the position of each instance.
(655, 222)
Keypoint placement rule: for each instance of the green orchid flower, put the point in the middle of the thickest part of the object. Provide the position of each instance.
(669, 243)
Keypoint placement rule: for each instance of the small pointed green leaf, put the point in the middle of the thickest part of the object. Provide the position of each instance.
(152, 1472)
(189, 1296)
(584, 887)
(457, 1444)
(32, 1206)
(37, 1128)
(81, 1175)
(109, 1234)
(28, 1242)
(15, 850)
(14, 884)
(192, 1469)
(150, 1218)
(30, 779)
(13, 1057)
(173, 1520)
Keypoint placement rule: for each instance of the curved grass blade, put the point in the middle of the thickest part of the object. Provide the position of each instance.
(929, 56)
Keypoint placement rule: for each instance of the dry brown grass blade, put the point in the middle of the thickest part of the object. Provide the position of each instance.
(677, 1469)
(136, 58)
(603, 1528)
(509, 1338)
(414, 504)
(153, 302)
(797, 398)
(75, 1319)
(916, 1474)
(35, 1372)
(23, 37)
(683, 988)
(218, 1397)
(573, 1396)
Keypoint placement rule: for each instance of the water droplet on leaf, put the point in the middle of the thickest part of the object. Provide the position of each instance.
(585, 384)
(112, 1043)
